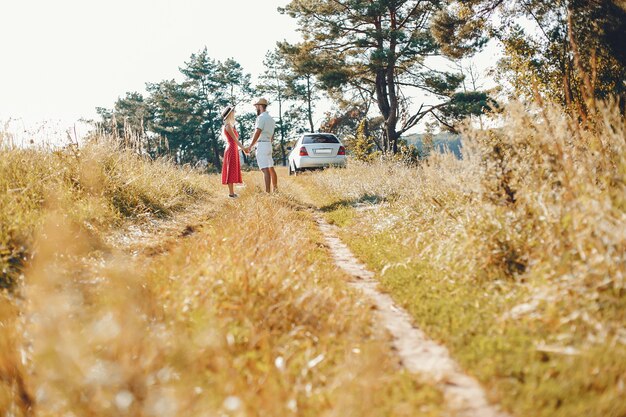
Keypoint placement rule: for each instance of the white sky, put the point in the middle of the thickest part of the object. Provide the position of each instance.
(60, 59)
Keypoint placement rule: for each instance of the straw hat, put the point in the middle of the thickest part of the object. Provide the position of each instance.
(261, 101)
(227, 110)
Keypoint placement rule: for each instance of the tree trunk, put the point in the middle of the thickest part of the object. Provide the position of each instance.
(309, 105)
(216, 150)
(383, 105)
(386, 93)
(282, 130)
(388, 106)
(392, 120)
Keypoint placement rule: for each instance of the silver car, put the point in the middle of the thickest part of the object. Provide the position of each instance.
(316, 150)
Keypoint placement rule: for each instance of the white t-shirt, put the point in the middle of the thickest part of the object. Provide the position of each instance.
(266, 123)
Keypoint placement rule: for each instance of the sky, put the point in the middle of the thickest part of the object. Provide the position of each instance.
(60, 59)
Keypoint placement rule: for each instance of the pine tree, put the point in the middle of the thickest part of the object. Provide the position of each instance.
(573, 53)
(377, 48)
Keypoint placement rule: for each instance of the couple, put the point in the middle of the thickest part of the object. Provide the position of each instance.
(263, 134)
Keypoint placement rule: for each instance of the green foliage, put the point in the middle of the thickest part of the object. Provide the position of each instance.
(441, 83)
(130, 114)
(457, 35)
(464, 104)
(409, 154)
(374, 50)
(284, 88)
(343, 120)
(301, 70)
(363, 145)
(567, 51)
(182, 119)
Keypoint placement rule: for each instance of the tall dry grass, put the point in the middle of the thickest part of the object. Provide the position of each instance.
(242, 315)
(89, 191)
(539, 197)
(531, 225)
(96, 186)
(246, 317)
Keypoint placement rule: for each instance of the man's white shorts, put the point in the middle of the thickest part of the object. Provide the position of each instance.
(264, 155)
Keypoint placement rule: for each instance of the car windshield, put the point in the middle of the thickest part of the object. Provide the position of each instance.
(319, 139)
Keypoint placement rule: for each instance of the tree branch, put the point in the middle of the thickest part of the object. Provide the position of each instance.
(409, 15)
(417, 117)
(449, 126)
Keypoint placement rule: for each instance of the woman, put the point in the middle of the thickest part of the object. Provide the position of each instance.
(231, 167)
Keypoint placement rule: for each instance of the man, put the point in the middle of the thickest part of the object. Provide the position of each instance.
(264, 136)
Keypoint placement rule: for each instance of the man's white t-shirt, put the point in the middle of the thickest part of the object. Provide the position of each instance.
(266, 123)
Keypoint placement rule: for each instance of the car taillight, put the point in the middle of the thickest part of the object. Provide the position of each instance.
(303, 151)
(342, 151)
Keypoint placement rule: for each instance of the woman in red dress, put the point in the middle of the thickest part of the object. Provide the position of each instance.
(231, 167)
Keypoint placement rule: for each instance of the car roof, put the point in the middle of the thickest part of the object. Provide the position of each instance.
(317, 134)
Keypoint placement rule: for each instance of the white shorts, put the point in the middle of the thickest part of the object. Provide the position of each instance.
(264, 155)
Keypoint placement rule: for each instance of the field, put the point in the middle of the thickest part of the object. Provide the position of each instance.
(135, 287)
(514, 258)
(143, 290)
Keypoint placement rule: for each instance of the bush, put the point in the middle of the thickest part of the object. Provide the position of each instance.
(363, 147)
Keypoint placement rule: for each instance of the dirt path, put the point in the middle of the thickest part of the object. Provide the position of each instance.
(464, 395)
(154, 235)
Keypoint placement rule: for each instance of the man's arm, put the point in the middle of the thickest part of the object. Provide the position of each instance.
(255, 137)
(260, 124)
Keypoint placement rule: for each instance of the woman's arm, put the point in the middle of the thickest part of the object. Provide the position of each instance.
(231, 132)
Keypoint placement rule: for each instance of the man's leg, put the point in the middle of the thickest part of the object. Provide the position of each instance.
(274, 178)
(267, 178)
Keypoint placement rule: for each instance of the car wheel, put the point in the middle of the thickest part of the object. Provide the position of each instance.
(291, 171)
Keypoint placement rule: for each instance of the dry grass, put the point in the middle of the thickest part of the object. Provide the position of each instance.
(96, 187)
(245, 315)
(515, 256)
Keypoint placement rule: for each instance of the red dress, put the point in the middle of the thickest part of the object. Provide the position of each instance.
(231, 167)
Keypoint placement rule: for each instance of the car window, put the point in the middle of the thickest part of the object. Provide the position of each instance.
(319, 139)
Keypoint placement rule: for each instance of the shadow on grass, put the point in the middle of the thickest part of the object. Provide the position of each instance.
(353, 202)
